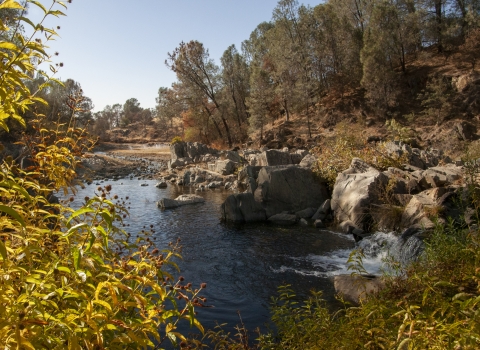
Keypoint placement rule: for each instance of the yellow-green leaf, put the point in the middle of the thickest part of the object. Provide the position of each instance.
(103, 303)
(13, 214)
(10, 4)
(3, 250)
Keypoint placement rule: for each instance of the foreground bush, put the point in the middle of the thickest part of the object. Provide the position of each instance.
(433, 304)
(72, 279)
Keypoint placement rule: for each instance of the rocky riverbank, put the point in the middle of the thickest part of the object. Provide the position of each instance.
(280, 186)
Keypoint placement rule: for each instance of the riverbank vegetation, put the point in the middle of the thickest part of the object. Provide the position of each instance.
(75, 278)
(71, 278)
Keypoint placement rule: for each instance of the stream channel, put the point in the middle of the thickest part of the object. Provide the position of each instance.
(242, 265)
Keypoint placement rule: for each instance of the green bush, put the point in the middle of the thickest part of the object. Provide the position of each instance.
(73, 279)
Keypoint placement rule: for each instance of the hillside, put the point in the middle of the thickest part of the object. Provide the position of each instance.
(423, 123)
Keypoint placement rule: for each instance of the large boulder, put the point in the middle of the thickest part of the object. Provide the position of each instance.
(356, 190)
(356, 288)
(184, 199)
(275, 157)
(225, 167)
(422, 207)
(289, 188)
(193, 150)
(242, 208)
(233, 156)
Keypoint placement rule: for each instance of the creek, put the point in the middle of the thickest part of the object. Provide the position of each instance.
(242, 265)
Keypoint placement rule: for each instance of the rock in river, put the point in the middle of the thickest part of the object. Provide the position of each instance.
(184, 199)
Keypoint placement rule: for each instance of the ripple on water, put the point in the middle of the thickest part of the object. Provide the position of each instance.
(242, 265)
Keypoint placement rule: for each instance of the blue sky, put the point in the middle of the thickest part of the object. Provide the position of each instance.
(116, 49)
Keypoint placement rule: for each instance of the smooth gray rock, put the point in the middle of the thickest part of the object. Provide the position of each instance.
(184, 199)
(308, 161)
(242, 208)
(215, 184)
(290, 188)
(305, 213)
(323, 210)
(225, 167)
(423, 205)
(283, 219)
(319, 224)
(161, 184)
(275, 157)
(356, 190)
(303, 222)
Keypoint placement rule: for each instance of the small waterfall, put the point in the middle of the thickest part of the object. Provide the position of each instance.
(378, 249)
(408, 246)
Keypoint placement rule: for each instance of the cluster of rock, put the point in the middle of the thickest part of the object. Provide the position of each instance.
(282, 189)
(283, 194)
(279, 186)
(364, 197)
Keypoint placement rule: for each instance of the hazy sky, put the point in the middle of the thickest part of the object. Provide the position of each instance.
(116, 49)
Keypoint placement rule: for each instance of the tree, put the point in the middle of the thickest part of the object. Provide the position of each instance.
(260, 99)
(471, 47)
(195, 69)
(235, 80)
(390, 36)
(170, 106)
(131, 111)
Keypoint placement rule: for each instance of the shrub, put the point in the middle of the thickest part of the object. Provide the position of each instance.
(176, 139)
(73, 278)
(335, 154)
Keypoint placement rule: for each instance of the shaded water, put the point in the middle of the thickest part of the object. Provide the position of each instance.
(242, 265)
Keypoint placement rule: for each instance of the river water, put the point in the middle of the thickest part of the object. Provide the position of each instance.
(242, 265)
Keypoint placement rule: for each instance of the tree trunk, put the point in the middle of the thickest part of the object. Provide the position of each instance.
(308, 122)
(227, 130)
(214, 121)
(236, 109)
(438, 20)
(287, 112)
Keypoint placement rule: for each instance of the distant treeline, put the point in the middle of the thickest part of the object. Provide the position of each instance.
(289, 64)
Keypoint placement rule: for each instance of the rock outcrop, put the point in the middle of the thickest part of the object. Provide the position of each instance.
(275, 157)
(276, 190)
(289, 188)
(242, 208)
(192, 150)
(356, 190)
